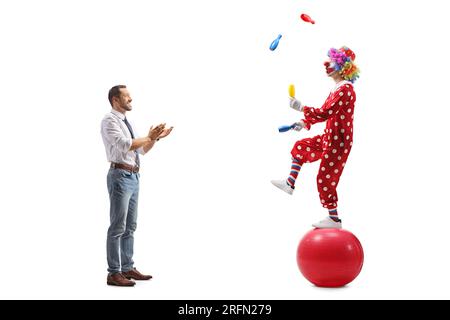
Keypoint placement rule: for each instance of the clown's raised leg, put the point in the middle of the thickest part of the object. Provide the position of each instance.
(288, 185)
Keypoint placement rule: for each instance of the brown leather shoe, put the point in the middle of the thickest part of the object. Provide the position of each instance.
(136, 275)
(118, 279)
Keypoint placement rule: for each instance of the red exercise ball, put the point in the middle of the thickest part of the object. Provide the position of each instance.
(330, 258)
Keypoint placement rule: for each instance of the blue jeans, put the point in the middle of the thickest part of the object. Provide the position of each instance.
(123, 188)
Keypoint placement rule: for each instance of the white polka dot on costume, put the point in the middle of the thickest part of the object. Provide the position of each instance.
(336, 171)
(347, 137)
(326, 156)
(336, 124)
(320, 180)
(323, 168)
(345, 151)
(347, 103)
(349, 93)
(339, 158)
(342, 130)
(334, 150)
(323, 201)
(341, 93)
(328, 176)
(299, 147)
(299, 156)
(347, 86)
(325, 189)
(351, 143)
(308, 149)
(348, 124)
(341, 144)
(333, 184)
(329, 196)
(343, 164)
(341, 103)
(349, 110)
(318, 140)
(330, 112)
(313, 155)
(351, 98)
(331, 164)
(333, 104)
(342, 117)
(335, 137)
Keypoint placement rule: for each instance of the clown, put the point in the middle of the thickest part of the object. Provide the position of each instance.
(333, 147)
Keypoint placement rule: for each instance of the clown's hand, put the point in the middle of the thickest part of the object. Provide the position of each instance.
(295, 104)
(298, 126)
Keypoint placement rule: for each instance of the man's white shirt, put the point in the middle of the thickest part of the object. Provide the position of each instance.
(117, 139)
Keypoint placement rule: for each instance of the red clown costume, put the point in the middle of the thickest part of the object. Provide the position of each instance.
(333, 147)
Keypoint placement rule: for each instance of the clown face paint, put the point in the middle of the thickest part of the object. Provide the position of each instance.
(330, 67)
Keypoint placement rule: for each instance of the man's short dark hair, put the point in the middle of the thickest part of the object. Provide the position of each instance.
(115, 92)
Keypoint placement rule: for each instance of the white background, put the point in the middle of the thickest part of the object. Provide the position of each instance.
(211, 226)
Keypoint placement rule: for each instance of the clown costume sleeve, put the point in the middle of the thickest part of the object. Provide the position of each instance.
(339, 99)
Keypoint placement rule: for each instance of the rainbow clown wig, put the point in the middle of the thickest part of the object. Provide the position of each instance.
(343, 59)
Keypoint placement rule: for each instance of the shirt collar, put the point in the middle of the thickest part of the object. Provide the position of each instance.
(340, 84)
(121, 116)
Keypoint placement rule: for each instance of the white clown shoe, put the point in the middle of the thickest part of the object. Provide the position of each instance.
(328, 223)
(282, 185)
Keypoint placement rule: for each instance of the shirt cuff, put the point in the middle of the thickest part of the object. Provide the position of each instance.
(141, 151)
